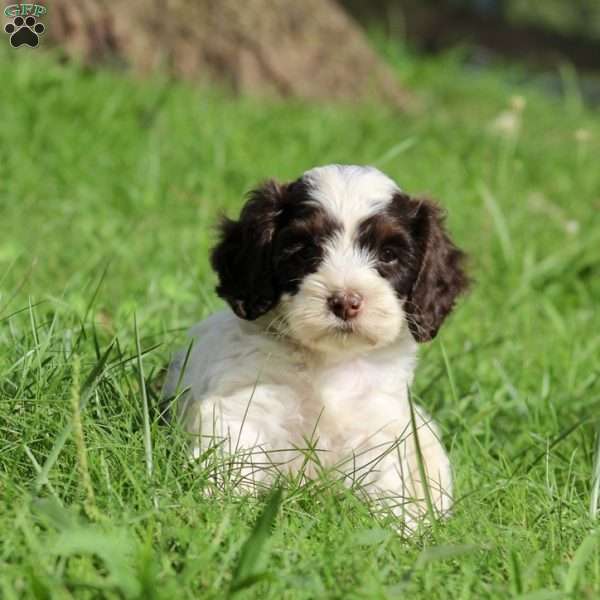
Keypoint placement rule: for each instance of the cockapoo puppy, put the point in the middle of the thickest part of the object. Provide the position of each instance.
(332, 279)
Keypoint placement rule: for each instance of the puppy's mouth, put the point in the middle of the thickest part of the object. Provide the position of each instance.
(347, 327)
(347, 331)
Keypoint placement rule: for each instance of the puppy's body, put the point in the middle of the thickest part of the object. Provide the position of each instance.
(333, 279)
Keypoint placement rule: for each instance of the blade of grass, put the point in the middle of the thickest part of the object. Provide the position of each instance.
(595, 497)
(86, 481)
(450, 375)
(499, 222)
(421, 462)
(146, 412)
(248, 569)
(85, 394)
(583, 553)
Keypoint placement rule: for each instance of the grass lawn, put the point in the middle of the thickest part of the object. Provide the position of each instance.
(108, 191)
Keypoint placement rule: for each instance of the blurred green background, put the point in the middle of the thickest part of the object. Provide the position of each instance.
(113, 173)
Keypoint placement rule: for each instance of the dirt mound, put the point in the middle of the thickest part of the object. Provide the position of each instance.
(310, 49)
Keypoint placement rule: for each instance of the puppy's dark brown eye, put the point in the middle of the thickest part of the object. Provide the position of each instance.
(388, 255)
(300, 251)
(293, 250)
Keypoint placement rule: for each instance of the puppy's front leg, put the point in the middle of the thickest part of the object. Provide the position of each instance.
(247, 431)
(392, 471)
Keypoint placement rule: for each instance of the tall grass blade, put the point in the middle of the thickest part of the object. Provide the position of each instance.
(249, 567)
(582, 555)
(595, 497)
(421, 462)
(146, 412)
(499, 221)
(86, 392)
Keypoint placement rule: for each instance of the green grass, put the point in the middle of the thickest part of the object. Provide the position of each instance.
(109, 188)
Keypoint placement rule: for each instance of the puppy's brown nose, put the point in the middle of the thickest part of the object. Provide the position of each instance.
(345, 305)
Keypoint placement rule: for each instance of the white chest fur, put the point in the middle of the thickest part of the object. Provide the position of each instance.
(268, 397)
(283, 392)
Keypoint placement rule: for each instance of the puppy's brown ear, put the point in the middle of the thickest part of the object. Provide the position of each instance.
(243, 256)
(441, 276)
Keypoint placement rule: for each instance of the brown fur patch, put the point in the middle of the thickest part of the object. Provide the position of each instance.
(426, 269)
(277, 241)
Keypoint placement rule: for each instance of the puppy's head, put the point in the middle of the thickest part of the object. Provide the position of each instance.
(341, 259)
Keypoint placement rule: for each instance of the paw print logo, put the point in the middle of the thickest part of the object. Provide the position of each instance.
(24, 31)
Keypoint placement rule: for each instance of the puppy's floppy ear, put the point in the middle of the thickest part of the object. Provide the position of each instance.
(243, 256)
(441, 276)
